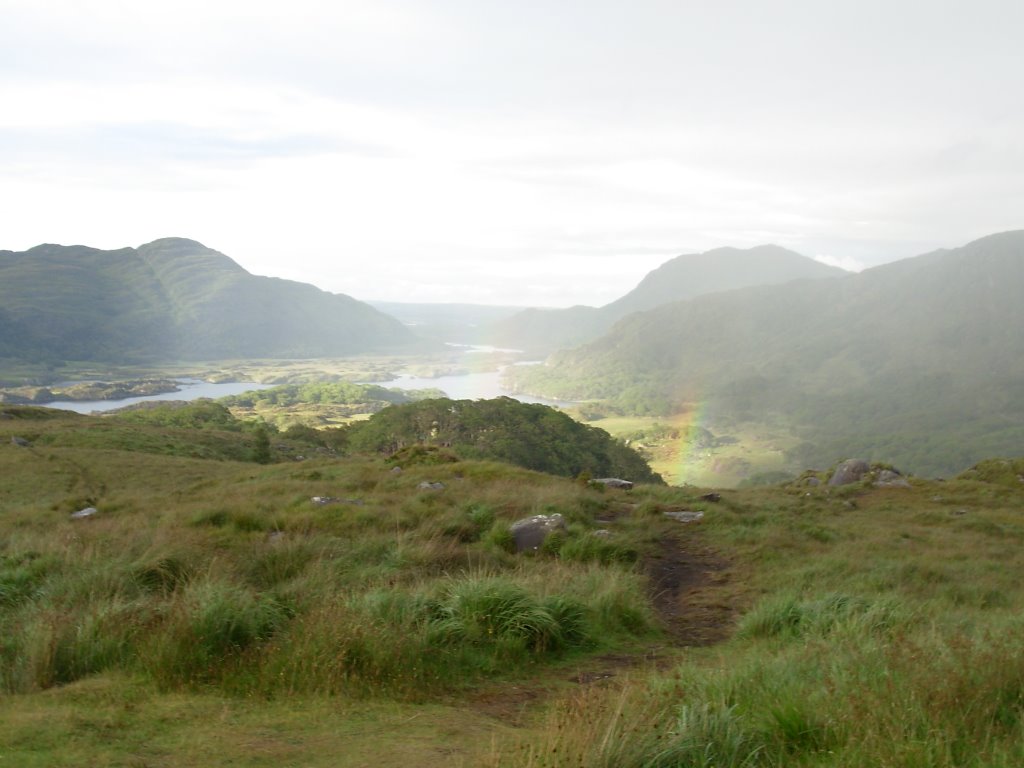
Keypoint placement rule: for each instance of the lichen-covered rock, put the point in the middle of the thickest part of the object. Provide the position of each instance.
(530, 532)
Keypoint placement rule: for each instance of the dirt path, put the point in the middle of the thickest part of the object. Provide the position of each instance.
(683, 575)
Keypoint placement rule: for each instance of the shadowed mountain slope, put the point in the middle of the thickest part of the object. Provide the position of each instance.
(912, 354)
(171, 299)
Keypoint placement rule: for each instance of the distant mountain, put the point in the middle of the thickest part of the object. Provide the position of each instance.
(171, 299)
(455, 323)
(722, 269)
(920, 361)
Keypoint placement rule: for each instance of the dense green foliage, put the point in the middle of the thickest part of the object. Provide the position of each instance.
(532, 436)
(919, 362)
(172, 299)
(544, 330)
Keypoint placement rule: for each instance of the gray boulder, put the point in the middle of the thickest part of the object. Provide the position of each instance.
(614, 482)
(888, 478)
(530, 532)
(21, 441)
(850, 471)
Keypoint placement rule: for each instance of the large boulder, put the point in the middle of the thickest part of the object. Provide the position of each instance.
(849, 471)
(530, 532)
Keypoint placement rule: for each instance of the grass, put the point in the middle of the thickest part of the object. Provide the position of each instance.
(211, 613)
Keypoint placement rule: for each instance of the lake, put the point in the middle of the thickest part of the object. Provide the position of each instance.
(191, 389)
(465, 386)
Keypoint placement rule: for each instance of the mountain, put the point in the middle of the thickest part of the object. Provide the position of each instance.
(921, 360)
(687, 276)
(172, 299)
(454, 323)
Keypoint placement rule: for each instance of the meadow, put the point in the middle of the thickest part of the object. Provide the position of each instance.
(211, 612)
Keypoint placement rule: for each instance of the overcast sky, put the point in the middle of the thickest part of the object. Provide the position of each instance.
(524, 152)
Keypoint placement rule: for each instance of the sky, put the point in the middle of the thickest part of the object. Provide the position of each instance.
(529, 153)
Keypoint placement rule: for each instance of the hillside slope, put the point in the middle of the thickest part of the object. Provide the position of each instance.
(171, 299)
(684, 277)
(922, 360)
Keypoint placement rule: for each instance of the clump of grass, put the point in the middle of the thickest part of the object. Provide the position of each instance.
(787, 616)
(207, 624)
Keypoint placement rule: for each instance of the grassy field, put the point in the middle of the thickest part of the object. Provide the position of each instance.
(212, 613)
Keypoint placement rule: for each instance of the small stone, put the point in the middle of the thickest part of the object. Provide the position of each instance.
(614, 482)
(602, 533)
(20, 441)
(87, 512)
(684, 516)
(396, 470)
(712, 497)
(428, 486)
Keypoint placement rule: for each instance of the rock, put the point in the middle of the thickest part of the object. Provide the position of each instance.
(712, 497)
(684, 516)
(888, 478)
(614, 482)
(87, 512)
(849, 471)
(428, 486)
(20, 441)
(530, 532)
(322, 500)
(813, 482)
(602, 533)
(396, 470)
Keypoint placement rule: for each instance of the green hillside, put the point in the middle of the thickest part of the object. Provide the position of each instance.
(172, 299)
(721, 269)
(920, 362)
